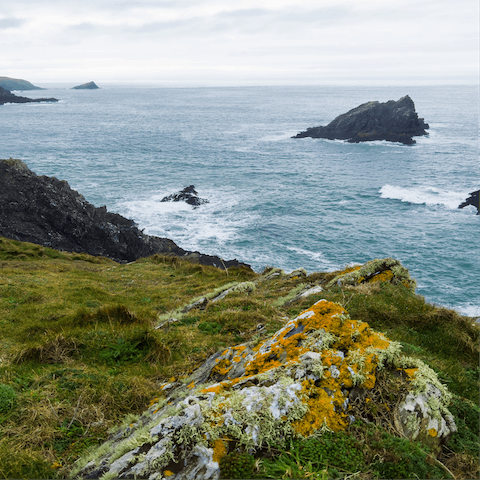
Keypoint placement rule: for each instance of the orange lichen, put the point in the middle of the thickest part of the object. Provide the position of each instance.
(385, 276)
(432, 432)
(321, 410)
(220, 449)
(191, 385)
(410, 372)
(168, 473)
(222, 367)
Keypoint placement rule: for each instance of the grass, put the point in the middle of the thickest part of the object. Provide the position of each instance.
(80, 350)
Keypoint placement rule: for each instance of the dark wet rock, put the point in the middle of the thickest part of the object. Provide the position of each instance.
(188, 195)
(473, 199)
(46, 211)
(86, 86)
(8, 97)
(394, 121)
(17, 84)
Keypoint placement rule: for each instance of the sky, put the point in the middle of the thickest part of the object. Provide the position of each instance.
(241, 42)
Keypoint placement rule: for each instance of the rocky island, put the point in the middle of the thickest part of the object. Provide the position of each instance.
(86, 86)
(17, 84)
(393, 121)
(188, 195)
(473, 199)
(46, 211)
(7, 97)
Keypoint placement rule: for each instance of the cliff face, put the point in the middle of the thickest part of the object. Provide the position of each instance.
(46, 211)
(394, 121)
(7, 97)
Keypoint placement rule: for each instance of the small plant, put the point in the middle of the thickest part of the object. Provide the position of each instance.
(7, 398)
(210, 327)
(237, 465)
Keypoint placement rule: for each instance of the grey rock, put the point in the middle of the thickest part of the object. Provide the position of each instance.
(394, 121)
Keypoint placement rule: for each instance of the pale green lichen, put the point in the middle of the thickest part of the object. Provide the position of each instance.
(368, 271)
(292, 294)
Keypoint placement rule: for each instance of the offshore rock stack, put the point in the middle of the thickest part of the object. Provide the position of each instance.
(394, 121)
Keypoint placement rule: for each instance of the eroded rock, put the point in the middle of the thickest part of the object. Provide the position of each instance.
(394, 121)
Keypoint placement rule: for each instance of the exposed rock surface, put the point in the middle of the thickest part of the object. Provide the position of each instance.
(86, 86)
(46, 211)
(394, 121)
(473, 199)
(188, 195)
(7, 97)
(315, 374)
(17, 84)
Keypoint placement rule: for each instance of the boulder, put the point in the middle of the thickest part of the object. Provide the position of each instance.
(86, 86)
(473, 199)
(46, 211)
(7, 97)
(188, 195)
(316, 374)
(394, 121)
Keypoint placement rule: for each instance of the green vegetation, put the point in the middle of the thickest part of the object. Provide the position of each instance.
(86, 341)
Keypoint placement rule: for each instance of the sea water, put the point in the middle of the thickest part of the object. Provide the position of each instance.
(273, 200)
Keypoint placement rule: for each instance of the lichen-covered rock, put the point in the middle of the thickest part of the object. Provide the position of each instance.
(298, 383)
(378, 270)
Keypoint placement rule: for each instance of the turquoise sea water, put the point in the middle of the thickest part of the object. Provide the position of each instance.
(273, 200)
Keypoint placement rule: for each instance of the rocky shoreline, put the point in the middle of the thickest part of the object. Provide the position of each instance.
(46, 211)
(8, 97)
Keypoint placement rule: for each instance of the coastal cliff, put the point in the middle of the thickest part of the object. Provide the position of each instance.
(46, 211)
(162, 368)
(394, 121)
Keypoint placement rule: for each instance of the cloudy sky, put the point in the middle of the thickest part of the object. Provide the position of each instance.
(220, 42)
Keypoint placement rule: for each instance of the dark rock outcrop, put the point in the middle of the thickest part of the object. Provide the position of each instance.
(394, 121)
(8, 97)
(17, 84)
(46, 211)
(187, 195)
(473, 199)
(86, 86)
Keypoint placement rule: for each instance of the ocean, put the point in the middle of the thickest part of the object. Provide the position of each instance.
(273, 200)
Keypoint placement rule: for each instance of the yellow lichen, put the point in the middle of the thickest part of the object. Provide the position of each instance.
(168, 473)
(432, 432)
(220, 449)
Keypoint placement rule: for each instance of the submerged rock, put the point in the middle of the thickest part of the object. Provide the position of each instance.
(7, 97)
(473, 199)
(86, 86)
(394, 121)
(188, 195)
(46, 211)
(316, 374)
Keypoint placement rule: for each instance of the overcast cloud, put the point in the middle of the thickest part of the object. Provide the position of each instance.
(243, 42)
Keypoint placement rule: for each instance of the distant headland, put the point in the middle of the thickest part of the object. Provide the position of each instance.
(86, 86)
(17, 84)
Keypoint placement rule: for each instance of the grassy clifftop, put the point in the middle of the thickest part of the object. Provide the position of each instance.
(86, 342)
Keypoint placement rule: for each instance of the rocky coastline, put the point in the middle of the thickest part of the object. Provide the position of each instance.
(46, 211)
(8, 97)
(393, 121)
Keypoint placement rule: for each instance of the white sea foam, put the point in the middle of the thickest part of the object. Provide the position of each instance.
(316, 256)
(424, 195)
